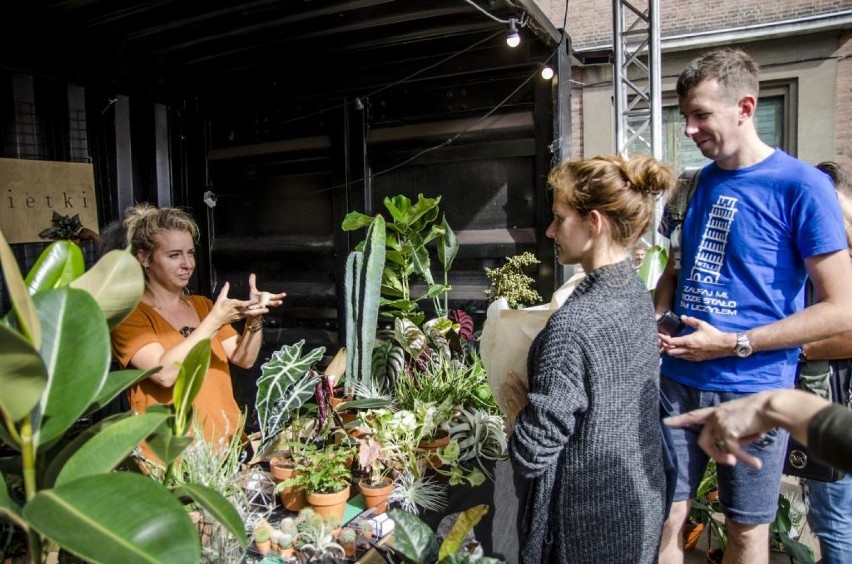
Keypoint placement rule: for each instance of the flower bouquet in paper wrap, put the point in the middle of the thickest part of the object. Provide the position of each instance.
(508, 333)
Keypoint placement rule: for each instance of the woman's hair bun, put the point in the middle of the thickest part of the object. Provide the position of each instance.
(648, 176)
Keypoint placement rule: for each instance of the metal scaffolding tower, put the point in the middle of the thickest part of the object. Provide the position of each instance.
(637, 82)
(638, 101)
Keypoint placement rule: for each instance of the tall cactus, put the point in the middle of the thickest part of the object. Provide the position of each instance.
(362, 284)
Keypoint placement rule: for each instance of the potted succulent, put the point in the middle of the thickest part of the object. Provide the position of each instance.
(315, 538)
(346, 539)
(324, 476)
(262, 540)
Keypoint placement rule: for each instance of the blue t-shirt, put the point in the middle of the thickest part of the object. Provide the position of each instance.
(745, 237)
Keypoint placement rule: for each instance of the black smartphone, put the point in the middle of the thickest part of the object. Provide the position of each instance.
(669, 324)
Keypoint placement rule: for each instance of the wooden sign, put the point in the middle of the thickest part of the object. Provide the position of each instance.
(31, 191)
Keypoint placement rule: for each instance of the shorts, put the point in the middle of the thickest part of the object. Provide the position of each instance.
(748, 496)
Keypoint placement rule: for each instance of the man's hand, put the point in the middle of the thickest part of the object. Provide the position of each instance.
(705, 343)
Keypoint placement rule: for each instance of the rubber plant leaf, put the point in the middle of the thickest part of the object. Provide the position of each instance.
(22, 304)
(413, 538)
(116, 282)
(76, 352)
(168, 446)
(59, 264)
(8, 508)
(466, 521)
(115, 384)
(193, 369)
(104, 451)
(283, 386)
(23, 375)
(116, 517)
(218, 506)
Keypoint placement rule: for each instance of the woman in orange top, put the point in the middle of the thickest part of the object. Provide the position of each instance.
(167, 323)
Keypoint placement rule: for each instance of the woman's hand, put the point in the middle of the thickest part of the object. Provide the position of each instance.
(261, 302)
(228, 310)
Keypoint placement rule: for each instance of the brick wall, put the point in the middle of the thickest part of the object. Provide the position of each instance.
(843, 109)
(590, 21)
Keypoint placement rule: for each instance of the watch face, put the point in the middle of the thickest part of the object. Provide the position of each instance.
(743, 351)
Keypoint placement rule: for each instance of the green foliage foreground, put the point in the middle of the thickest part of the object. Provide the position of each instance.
(54, 369)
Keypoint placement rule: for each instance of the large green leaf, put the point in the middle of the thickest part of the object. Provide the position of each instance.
(193, 369)
(465, 522)
(167, 446)
(355, 220)
(413, 538)
(218, 506)
(117, 517)
(23, 375)
(103, 452)
(116, 382)
(285, 383)
(76, 351)
(117, 284)
(57, 266)
(21, 301)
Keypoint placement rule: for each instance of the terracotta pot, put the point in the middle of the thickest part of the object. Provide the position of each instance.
(349, 550)
(328, 504)
(263, 547)
(428, 447)
(287, 553)
(712, 496)
(690, 534)
(376, 497)
(292, 499)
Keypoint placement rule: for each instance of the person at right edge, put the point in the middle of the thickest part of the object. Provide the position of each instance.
(758, 225)
(830, 503)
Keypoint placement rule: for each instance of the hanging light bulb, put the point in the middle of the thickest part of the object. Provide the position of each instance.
(514, 38)
(546, 72)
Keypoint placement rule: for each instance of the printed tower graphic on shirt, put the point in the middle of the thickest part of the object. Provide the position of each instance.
(711, 250)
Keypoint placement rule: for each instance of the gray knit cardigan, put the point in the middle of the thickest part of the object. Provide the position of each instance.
(586, 450)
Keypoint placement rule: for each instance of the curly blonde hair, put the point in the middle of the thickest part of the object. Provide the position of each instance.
(144, 222)
(621, 189)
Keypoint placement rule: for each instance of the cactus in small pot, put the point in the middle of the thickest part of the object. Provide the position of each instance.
(262, 540)
(347, 539)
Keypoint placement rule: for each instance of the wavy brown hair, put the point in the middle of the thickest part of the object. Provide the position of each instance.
(623, 190)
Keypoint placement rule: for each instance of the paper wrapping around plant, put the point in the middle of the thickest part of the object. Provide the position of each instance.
(508, 333)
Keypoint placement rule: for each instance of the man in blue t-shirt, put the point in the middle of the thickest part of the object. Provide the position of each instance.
(760, 222)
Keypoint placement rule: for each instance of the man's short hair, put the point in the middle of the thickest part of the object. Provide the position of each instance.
(734, 69)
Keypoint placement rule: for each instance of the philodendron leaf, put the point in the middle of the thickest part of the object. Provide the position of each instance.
(23, 375)
(117, 283)
(21, 302)
(413, 538)
(218, 506)
(193, 369)
(116, 517)
(103, 452)
(56, 267)
(76, 350)
(465, 522)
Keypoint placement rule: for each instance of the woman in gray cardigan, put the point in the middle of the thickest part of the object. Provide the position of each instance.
(586, 444)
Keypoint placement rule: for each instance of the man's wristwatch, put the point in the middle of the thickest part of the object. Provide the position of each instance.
(743, 347)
